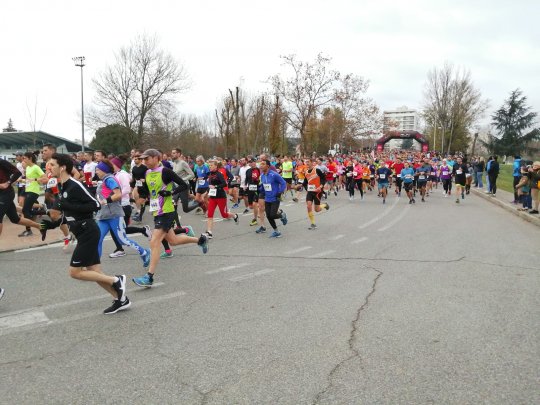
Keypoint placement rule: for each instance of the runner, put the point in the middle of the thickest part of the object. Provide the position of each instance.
(397, 167)
(110, 217)
(201, 172)
(422, 177)
(445, 174)
(349, 172)
(273, 185)
(33, 176)
(459, 171)
(314, 183)
(300, 171)
(77, 206)
(9, 174)
(159, 181)
(287, 173)
(217, 198)
(407, 175)
(140, 191)
(383, 175)
(253, 176)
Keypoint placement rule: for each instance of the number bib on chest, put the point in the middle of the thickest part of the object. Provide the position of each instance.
(53, 182)
(154, 204)
(267, 187)
(212, 192)
(138, 183)
(201, 182)
(311, 187)
(459, 171)
(398, 175)
(252, 187)
(421, 177)
(382, 176)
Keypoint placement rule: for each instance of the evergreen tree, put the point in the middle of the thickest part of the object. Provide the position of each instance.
(10, 127)
(512, 121)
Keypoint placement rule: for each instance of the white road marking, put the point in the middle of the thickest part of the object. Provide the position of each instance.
(325, 253)
(72, 302)
(215, 220)
(302, 249)
(396, 219)
(22, 319)
(287, 205)
(380, 216)
(238, 266)
(72, 244)
(251, 275)
(363, 239)
(84, 315)
(337, 237)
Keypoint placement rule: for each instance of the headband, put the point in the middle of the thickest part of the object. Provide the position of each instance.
(103, 167)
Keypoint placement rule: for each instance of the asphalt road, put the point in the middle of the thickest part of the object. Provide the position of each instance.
(436, 303)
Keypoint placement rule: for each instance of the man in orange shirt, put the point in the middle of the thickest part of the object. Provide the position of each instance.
(314, 184)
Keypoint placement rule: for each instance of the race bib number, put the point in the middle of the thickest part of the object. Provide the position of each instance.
(335, 175)
(138, 183)
(355, 174)
(433, 173)
(201, 182)
(372, 176)
(409, 176)
(467, 175)
(445, 173)
(398, 175)
(53, 182)
(349, 174)
(311, 187)
(212, 192)
(268, 187)
(459, 171)
(154, 204)
(382, 176)
(252, 187)
(421, 177)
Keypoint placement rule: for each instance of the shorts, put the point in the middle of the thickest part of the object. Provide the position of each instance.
(7, 206)
(433, 178)
(164, 221)
(143, 192)
(253, 196)
(382, 185)
(242, 192)
(20, 191)
(288, 180)
(314, 196)
(86, 251)
(202, 190)
(461, 182)
(408, 186)
(422, 184)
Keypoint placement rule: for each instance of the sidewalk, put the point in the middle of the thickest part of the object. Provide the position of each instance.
(9, 240)
(504, 200)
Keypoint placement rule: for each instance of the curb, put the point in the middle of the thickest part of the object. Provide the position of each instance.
(533, 219)
(33, 245)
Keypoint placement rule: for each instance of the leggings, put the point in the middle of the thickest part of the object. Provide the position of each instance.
(350, 186)
(399, 183)
(220, 203)
(183, 196)
(117, 227)
(447, 185)
(493, 183)
(271, 209)
(29, 200)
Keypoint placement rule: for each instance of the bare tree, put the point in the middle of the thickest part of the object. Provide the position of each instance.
(452, 102)
(143, 81)
(306, 91)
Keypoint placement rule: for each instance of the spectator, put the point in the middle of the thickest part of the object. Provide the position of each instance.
(517, 176)
(535, 180)
(480, 166)
(493, 173)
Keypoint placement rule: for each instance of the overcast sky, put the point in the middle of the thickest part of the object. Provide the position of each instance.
(226, 43)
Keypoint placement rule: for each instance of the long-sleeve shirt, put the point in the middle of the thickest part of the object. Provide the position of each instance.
(8, 172)
(76, 202)
(273, 184)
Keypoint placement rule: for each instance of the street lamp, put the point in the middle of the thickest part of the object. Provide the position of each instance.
(79, 61)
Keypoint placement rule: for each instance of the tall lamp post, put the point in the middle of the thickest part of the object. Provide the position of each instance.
(79, 61)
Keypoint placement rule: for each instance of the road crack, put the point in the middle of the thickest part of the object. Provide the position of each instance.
(353, 336)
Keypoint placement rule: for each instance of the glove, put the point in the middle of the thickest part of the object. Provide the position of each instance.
(164, 193)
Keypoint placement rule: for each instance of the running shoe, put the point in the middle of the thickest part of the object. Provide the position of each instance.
(2, 291)
(136, 218)
(246, 211)
(410, 201)
(25, 233)
(253, 222)
(423, 199)
(147, 232)
(208, 235)
(533, 212)
(189, 230)
(295, 199)
(117, 253)
(166, 255)
(43, 231)
(120, 287)
(457, 200)
(199, 211)
(146, 258)
(413, 201)
(143, 281)
(262, 229)
(284, 219)
(203, 243)
(312, 227)
(236, 219)
(335, 193)
(117, 306)
(235, 206)
(327, 207)
(384, 200)
(275, 234)
(462, 196)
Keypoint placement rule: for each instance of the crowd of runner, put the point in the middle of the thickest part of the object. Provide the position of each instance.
(90, 195)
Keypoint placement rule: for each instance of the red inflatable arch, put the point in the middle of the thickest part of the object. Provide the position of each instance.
(402, 135)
